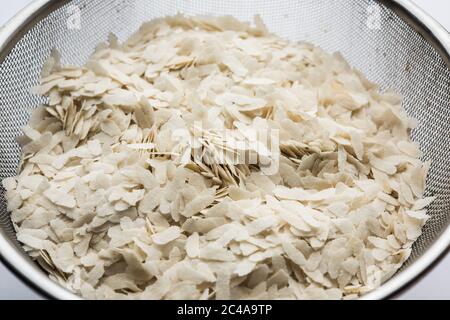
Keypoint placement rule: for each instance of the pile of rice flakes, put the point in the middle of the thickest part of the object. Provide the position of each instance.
(112, 204)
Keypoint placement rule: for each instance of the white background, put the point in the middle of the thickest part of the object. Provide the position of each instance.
(436, 285)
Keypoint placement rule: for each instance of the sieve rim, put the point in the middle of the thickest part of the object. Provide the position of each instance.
(16, 261)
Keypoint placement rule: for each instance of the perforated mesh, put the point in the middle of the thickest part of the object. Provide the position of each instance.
(395, 56)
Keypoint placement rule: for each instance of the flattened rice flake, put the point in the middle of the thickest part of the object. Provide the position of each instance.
(119, 196)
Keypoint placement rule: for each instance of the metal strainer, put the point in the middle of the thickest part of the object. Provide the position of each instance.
(392, 42)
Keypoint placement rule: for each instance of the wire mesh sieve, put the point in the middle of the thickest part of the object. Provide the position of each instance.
(391, 42)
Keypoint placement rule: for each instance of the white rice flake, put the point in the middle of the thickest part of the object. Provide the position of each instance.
(167, 236)
(144, 176)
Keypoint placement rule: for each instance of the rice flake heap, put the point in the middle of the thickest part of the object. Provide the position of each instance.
(112, 204)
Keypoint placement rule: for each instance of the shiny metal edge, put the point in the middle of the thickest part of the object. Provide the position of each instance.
(423, 24)
(23, 21)
(441, 38)
(15, 260)
(30, 274)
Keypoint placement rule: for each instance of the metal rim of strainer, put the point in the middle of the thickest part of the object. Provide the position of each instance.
(30, 273)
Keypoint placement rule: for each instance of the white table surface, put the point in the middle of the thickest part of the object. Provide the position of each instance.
(435, 285)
